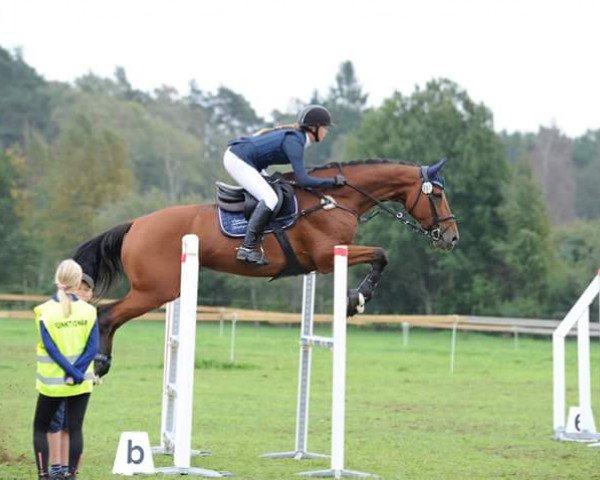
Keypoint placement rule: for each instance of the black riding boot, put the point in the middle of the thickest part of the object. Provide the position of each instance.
(250, 250)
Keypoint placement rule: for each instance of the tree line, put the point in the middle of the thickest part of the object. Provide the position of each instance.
(76, 159)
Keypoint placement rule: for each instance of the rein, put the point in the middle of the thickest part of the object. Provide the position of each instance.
(398, 215)
(327, 203)
(435, 232)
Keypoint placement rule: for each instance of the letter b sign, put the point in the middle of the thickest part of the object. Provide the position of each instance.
(131, 449)
(134, 454)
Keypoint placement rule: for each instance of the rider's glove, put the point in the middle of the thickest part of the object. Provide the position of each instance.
(339, 180)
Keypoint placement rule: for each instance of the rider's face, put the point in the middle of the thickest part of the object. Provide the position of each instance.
(323, 131)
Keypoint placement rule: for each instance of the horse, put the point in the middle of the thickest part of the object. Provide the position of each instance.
(147, 249)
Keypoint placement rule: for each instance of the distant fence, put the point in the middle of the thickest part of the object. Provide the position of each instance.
(455, 322)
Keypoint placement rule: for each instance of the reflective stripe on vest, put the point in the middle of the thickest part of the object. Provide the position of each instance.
(46, 359)
(59, 381)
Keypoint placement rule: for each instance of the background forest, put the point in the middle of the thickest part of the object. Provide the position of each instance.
(76, 159)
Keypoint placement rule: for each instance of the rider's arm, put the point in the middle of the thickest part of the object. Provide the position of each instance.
(89, 352)
(56, 355)
(294, 151)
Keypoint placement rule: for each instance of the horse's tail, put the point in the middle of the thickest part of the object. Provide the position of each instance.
(100, 257)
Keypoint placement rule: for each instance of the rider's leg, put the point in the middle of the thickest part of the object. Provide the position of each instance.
(250, 251)
(249, 178)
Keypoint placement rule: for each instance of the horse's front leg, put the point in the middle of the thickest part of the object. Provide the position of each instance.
(376, 256)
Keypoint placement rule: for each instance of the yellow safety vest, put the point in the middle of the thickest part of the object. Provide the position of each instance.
(70, 334)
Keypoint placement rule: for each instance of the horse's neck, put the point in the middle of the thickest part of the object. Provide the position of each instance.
(383, 182)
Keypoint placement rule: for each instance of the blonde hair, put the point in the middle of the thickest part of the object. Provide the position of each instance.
(67, 279)
(277, 127)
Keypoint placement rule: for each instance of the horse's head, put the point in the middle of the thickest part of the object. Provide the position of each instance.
(426, 202)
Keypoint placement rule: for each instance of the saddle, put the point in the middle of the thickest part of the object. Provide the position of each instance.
(235, 205)
(235, 199)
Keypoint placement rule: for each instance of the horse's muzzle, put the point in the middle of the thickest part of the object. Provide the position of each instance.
(102, 364)
(447, 240)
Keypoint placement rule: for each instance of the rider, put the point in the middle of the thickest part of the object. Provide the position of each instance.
(246, 157)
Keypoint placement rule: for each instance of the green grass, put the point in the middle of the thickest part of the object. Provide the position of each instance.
(407, 417)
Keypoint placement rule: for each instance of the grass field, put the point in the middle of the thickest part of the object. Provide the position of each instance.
(407, 417)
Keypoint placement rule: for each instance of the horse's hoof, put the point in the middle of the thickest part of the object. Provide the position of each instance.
(356, 302)
(102, 364)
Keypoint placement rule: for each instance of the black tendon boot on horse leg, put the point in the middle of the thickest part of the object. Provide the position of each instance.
(250, 250)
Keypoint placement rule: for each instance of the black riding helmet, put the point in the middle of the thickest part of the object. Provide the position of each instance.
(314, 116)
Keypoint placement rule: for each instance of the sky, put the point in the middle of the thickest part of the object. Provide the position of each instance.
(531, 62)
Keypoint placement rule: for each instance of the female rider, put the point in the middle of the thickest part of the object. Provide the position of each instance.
(246, 157)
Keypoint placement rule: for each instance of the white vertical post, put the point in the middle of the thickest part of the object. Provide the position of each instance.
(338, 396)
(307, 341)
(187, 346)
(166, 444)
(234, 317)
(338, 407)
(405, 333)
(583, 361)
(558, 361)
(453, 345)
(179, 366)
(305, 363)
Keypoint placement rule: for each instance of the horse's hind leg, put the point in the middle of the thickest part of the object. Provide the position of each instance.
(113, 315)
(377, 257)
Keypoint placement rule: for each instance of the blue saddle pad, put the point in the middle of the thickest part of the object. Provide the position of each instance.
(233, 224)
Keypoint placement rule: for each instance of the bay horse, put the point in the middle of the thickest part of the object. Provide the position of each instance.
(147, 249)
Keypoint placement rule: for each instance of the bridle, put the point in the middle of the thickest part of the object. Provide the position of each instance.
(435, 231)
(427, 189)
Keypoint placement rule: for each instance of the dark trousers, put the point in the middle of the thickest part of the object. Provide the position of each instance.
(45, 409)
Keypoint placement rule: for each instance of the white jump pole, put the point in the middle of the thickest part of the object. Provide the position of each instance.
(307, 341)
(179, 370)
(338, 402)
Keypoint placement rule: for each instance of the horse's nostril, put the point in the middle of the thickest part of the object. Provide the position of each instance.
(454, 240)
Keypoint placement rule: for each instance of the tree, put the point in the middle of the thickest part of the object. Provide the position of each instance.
(586, 158)
(125, 89)
(18, 254)
(578, 249)
(87, 170)
(24, 100)
(229, 111)
(527, 255)
(440, 120)
(552, 164)
(346, 102)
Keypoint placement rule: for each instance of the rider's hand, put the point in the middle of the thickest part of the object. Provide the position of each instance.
(339, 180)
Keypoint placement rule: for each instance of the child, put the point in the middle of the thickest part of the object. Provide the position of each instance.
(67, 345)
(58, 435)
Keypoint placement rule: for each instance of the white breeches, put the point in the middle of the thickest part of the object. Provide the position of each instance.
(249, 178)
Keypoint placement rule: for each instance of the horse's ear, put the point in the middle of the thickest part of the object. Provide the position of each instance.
(434, 169)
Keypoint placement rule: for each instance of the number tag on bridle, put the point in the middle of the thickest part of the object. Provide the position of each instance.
(427, 188)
